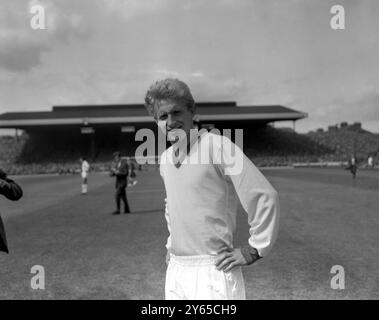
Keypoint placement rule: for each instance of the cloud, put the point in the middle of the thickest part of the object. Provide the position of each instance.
(17, 55)
(21, 47)
(197, 74)
(135, 8)
(161, 73)
(129, 9)
(132, 9)
(110, 51)
(362, 107)
(165, 73)
(215, 87)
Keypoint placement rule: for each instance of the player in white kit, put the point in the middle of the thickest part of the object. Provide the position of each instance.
(84, 172)
(202, 200)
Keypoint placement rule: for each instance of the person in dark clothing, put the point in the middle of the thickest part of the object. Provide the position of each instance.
(132, 181)
(120, 170)
(353, 167)
(11, 191)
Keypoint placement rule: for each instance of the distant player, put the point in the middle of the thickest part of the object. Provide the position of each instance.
(132, 181)
(84, 172)
(352, 167)
(120, 170)
(370, 162)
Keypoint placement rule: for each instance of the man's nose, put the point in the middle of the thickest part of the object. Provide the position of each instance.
(170, 121)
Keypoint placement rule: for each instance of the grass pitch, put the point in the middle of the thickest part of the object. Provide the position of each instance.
(326, 220)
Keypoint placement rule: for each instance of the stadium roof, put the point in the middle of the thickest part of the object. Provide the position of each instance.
(136, 113)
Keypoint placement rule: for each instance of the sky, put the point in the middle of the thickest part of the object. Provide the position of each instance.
(252, 52)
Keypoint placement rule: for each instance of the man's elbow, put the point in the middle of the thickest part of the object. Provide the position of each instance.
(272, 222)
(274, 201)
(273, 197)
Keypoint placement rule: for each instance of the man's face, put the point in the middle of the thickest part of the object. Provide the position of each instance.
(176, 115)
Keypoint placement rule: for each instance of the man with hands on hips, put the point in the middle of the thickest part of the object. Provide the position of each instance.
(202, 200)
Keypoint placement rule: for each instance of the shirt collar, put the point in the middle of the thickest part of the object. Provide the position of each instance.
(180, 151)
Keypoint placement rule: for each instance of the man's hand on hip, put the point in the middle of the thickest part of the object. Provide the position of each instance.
(227, 260)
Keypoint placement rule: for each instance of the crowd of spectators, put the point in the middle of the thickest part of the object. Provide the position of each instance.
(346, 140)
(68, 168)
(10, 148)
(267, 147)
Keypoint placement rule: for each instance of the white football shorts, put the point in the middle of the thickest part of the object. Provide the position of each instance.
(197, 278)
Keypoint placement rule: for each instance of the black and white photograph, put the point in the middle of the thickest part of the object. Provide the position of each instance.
(209, 150)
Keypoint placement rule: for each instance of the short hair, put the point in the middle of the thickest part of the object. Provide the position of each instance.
(168, 89)
(117, 154)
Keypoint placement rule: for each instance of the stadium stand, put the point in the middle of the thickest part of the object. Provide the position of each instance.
(60, 153)
(56, 139)
(266, 146)
(10, 149)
